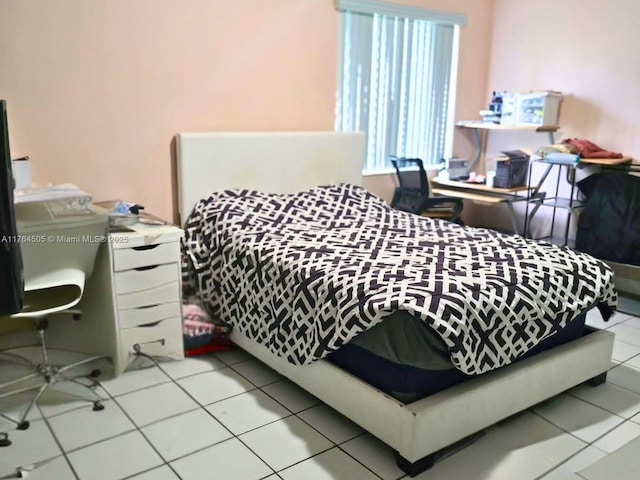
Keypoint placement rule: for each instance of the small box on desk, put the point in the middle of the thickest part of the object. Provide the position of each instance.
(537, 108)
(511, 170)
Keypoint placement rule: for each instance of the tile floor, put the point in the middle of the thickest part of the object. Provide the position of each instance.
(227, 416)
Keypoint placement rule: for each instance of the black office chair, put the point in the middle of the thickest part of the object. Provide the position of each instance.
(413, 193)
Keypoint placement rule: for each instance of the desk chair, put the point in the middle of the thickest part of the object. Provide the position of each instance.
(53, 293)
(413, 194)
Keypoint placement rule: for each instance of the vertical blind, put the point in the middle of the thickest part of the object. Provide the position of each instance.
(394, 83)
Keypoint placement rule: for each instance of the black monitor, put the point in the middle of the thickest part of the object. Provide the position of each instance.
(11, 274)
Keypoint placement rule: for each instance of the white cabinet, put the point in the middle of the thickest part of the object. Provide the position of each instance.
(132, 301)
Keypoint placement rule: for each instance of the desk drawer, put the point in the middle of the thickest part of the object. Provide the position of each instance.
(143, 256)
(145, 278)
(134, 317)
(153, 296)
(163, 339)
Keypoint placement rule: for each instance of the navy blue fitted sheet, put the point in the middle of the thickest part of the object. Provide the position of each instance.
(408, 382)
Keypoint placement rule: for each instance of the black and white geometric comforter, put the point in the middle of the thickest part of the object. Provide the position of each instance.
(304, 273)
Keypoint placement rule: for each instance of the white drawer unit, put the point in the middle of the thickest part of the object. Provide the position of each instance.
(145, 270)
(157, 339)
(132, 301)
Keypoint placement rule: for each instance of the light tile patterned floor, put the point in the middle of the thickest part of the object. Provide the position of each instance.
(228, 416)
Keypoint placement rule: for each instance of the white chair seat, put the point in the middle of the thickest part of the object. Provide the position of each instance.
(54, 292)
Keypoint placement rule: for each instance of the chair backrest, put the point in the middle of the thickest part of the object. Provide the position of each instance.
(411, 174)
(413, 193)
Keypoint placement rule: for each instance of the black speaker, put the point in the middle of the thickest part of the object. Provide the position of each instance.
(11, 269)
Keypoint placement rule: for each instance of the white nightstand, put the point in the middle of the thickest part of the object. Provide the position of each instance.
(132, 300)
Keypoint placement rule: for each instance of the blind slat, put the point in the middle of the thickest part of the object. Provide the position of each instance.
(394, 84)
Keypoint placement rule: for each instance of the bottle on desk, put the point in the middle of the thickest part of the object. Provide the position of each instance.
(443, 176)
(491, 175)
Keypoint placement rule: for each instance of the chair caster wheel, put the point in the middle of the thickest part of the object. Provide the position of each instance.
(98, 406)
(23, 425)
(4, 440)
(95, 373)
(23, 472)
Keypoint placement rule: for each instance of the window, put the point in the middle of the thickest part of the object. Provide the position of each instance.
(396, 79)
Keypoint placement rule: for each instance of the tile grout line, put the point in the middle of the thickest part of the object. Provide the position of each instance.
(334, 444)
(136, 428)
(568, 392)
(275, 471)
(200, 406)
(296, 414)
(209, 413)
(45, 419)
(139, 430)
(337, 445)
(292, 414)
(55, 437)
(558, 465)
(588, 444)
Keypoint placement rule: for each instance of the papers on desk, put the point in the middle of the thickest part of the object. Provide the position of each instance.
(65, 191)
(64, 199)
(128, 216)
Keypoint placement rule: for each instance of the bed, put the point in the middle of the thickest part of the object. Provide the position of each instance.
(424, 429)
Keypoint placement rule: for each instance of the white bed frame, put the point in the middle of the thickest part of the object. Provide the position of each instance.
(421, 431)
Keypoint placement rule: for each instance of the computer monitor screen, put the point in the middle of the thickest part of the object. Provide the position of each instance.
(11, 274)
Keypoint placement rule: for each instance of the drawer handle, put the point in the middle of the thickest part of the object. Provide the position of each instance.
(147, 325)
(144, 307)
(147, 267)
(137, 347)
(146, 247)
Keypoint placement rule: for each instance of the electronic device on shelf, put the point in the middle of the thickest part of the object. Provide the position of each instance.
(457, 168)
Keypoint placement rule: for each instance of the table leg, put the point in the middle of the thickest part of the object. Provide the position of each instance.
(514, 220)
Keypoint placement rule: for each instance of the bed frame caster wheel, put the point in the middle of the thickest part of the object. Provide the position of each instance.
(95, 373)
(598, 380)
(415, 468)
(23, 425)
(4, 440)
(425, 463)
(98, 406)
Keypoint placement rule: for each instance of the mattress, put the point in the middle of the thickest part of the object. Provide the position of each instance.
(405, 359)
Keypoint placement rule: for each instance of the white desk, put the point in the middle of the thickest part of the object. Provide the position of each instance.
(480, 193)
(485, 127)
(52, 243)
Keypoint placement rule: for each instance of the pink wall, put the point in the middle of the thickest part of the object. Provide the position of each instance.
(97, 90)
(589, 50)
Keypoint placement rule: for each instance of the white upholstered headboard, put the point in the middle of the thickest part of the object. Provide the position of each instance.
(275, 162)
